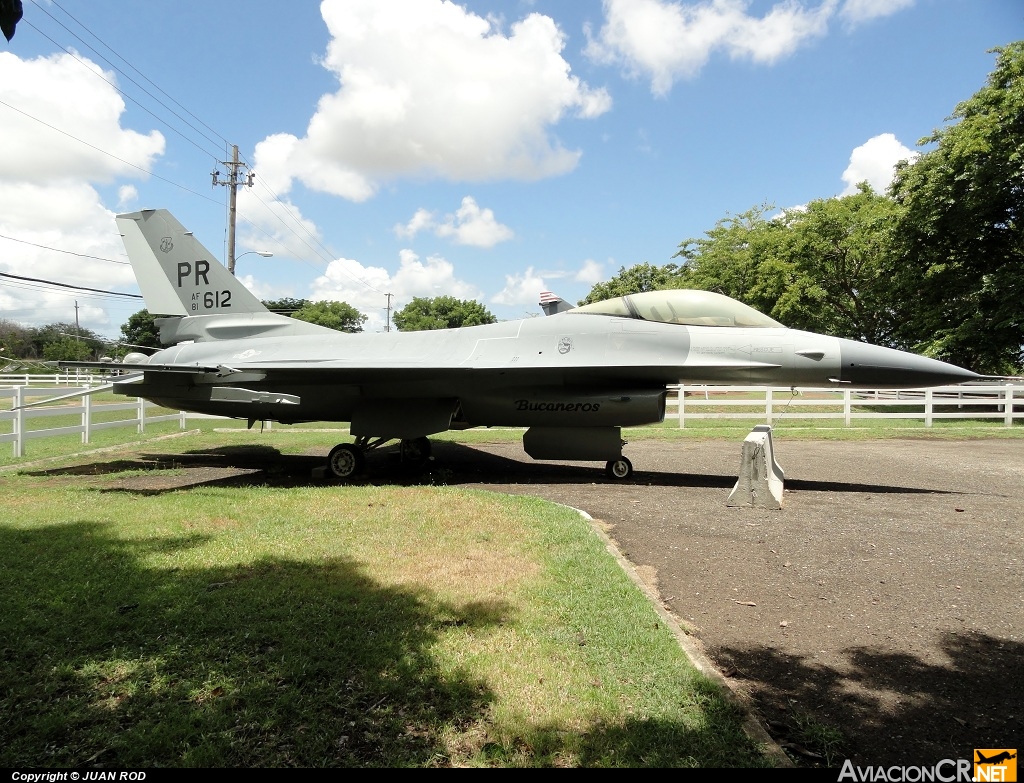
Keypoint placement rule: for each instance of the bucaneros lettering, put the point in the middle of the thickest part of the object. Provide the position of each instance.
(554, 407)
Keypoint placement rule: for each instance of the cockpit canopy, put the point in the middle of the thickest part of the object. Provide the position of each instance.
(681, 306)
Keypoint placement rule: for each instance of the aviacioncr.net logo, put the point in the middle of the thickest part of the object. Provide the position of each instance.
(995, 764)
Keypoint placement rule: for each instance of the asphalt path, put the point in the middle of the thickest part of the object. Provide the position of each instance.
(884, 601)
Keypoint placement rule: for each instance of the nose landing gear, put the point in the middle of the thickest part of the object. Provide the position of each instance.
(620, 468)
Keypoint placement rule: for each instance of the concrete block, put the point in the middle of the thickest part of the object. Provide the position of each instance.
(761, 478)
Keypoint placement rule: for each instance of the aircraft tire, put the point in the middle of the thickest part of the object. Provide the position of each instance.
(415, 450)
(620, 468)
(345, 461)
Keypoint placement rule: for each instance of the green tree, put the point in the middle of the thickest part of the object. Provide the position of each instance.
(634, 280)
(834, 258)
(140, 330)
(285, 306)
(65, 348)
(738, 258)
(334, 315)
(15, 340)
(960, 240)
(58, 334)
(441, 312)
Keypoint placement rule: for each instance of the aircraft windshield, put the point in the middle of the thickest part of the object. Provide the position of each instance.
(681, 306)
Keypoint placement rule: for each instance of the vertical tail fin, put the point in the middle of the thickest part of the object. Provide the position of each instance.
(177, 275)
(552, 303)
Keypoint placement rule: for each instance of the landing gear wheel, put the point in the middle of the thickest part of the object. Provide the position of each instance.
(620, 468)
(346, 460)
(415, 450)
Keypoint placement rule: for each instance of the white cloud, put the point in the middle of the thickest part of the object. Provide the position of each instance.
(469, 225)
(364, 287)
(277, 226)
(126, 196)
(521, 289)
(422, 220)
(591, 272)
(664, 41)
(875, 161)
(855, 12)
(429, 89)
(263, 290)
(63, 114)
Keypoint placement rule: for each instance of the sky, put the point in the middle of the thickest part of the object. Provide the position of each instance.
(484, 150)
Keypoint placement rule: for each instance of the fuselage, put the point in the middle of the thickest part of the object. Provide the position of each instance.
(514, 373)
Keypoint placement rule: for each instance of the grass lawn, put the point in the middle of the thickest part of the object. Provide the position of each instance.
(327, 625)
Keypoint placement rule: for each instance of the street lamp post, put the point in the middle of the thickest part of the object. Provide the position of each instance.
(264, 253)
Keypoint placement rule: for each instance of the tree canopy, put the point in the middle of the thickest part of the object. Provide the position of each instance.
(441, 312)
(334, 315)
(959, 238)
(140, 330)
(634, 280)
(286, 305)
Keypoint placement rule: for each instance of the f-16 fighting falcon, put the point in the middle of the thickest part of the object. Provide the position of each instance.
(573, 379)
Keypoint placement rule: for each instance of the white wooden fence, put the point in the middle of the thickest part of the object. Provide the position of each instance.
(768, 405)
(753, 403)
(75, 377)
(85, 409)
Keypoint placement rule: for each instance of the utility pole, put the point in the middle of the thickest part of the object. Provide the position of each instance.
(387, 323)
(78, 329)
(232, 182)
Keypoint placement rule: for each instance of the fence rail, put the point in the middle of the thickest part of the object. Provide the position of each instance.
(967, 401)
(686, 403)
(74, 377)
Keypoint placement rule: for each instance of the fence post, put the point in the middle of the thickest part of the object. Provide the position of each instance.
(768, 404)
(846, 407)
(86, 416)
(142, 415)
(182, 420)
(18, 422)
(682, 418)
(929, 404)
(1008, 407)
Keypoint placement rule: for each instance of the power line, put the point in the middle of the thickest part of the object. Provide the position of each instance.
(108, 154)
(68, 285)
(323, 253)
(58, 250)
(127, 76)
(141, 74)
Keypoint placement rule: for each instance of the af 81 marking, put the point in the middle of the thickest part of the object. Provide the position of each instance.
(211, 300)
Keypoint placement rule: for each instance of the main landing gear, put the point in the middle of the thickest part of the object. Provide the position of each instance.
(348, 460)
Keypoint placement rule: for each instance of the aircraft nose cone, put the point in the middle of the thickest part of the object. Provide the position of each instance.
(876, 367)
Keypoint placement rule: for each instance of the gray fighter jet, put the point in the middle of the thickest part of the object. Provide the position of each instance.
(574, 378)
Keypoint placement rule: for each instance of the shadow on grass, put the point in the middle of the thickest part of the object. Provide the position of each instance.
(452, 464)
(894, 708)
(107, 661)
